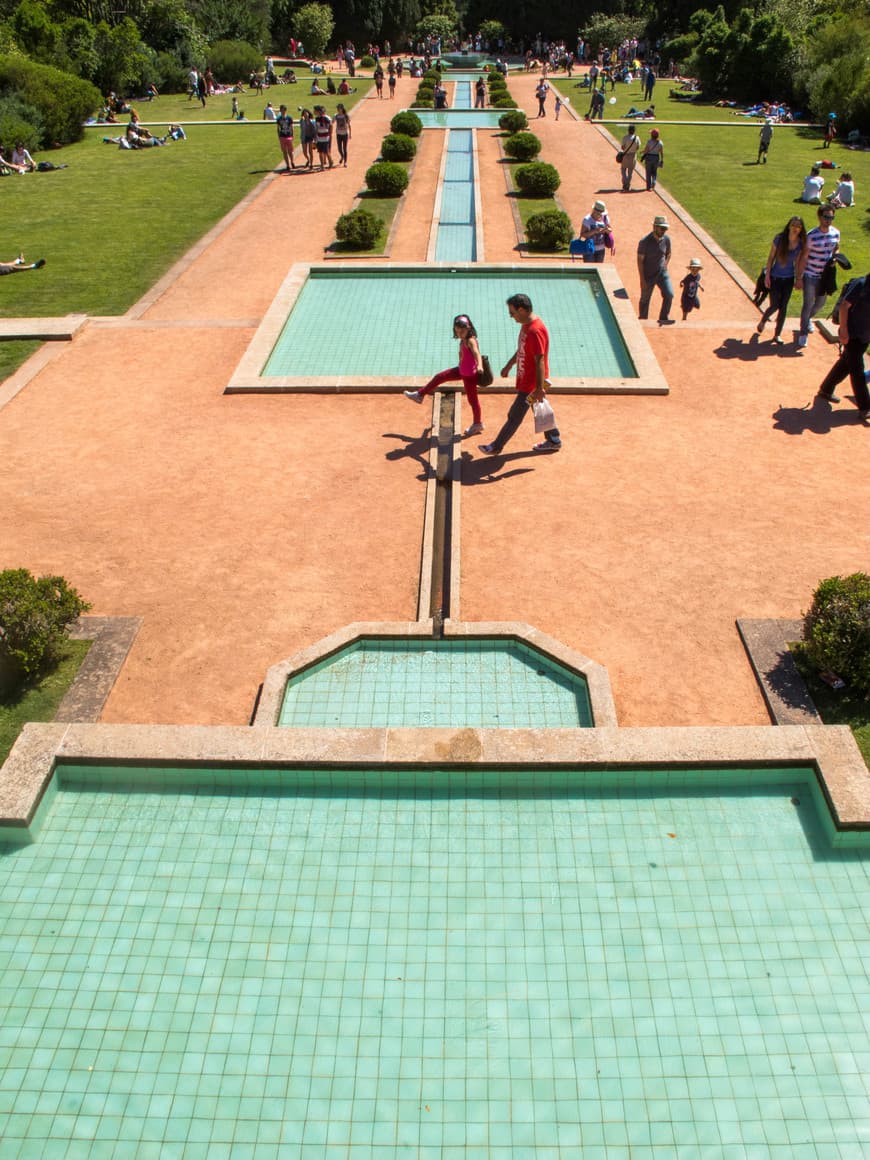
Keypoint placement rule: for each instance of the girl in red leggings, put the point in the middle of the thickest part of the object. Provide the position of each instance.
(469, 364)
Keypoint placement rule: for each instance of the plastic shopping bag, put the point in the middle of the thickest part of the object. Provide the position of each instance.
(545, 420)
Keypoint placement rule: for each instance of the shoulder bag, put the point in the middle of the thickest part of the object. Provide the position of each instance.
(484, 375)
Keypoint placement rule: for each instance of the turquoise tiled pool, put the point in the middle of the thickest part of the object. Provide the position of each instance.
(377, 337)
(448, 683)
(456, 238)
(459, 118)
(514, 966)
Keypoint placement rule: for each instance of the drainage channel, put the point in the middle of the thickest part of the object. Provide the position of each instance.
(455, 239)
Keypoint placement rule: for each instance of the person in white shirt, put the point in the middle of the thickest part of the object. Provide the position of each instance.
(813, 186)
(822, 244)
(843, 196)
(269, 113)
(21, 157)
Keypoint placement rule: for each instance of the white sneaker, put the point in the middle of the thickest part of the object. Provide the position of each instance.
(811, 326)
(474, 429)
(414, 396)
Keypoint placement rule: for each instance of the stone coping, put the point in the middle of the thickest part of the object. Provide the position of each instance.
(113, 638)
(831, 751)
(783, 688)
(597, 679)
(248, 376)
(59, 329)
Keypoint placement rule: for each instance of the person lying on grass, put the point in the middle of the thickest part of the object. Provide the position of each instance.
(18, 266)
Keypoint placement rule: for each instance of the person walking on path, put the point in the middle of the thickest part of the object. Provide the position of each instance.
(765, 136)
(822, 244)
(653, 258)
(596, 105)
(323, 137)
(691, 288)
(786, 253)
(854, 335)
(532, 361)
(342, 132)
(470, 362)
(653, 158)
(284, 123)
(629, 147)
(541, 91)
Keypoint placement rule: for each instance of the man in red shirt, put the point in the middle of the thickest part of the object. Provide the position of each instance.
(533, 372)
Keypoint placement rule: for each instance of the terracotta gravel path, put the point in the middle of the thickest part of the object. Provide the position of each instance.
(244, 528)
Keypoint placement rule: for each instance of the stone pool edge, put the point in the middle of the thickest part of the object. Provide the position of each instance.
(830, 750)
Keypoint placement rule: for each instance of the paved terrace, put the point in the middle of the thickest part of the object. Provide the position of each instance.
(243, 529)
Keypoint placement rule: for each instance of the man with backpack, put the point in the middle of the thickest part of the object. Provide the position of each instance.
(853, 317)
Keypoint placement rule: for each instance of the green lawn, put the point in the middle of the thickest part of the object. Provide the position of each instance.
(837, 706)
(711, 170)
(112, 223)
(40, 701)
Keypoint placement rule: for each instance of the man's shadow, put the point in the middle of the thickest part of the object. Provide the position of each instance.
(491, 468)
(814, 418)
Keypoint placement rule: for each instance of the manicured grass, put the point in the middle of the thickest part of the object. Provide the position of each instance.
(711, 170)
(112, 223)
(40, 701)
(838, 706)
(13, 354)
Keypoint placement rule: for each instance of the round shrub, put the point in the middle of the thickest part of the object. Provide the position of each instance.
(513, 121)
(496, 81)
(522, 146)
(398, 147)
(837, 629)
(407, 123)
(35, 616)
(550, 230)
(387, 179)
(504, 101)
(65, 102)
(358, 229)
(423, 104)
(425, 93)
(537, 179)
(432, 75)
(20, 122)
(367, 62)
(231, 59)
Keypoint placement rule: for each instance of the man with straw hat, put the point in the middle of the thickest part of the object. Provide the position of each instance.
(653, 256)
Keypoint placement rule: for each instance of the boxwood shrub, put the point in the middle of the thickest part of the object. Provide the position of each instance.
(837, 629)
(35, 616)
(537, 179)
(387, 179)
(513, 121)
(358, 229)
(64, 101)
(549, 230)
(503, 101)
(422, 103)
(367, 62)
(398, 147)
(522, 146)
(408, 123)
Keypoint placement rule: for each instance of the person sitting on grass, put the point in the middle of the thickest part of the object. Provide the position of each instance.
(316, 90)
(18, 266)
(843, 196)
(7, 167)
(344, 88)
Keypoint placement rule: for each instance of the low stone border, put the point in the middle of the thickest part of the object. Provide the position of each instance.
(113, 638)
(766, 642)
(830, 750)
(596, 675)
(57, 329)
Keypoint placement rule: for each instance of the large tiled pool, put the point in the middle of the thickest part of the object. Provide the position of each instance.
(493, 963)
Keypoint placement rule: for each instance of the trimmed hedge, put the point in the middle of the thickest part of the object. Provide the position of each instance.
(367, 62)
(358, 229)
(407, 123)
(513, 121)
(35, 616)
(503, 101)
(423, 104)
(522, 146)
(837, 629)
(64, 101)
(231, 59)
(387, 179)
(537, 179)
(398, 147)
(549, 230)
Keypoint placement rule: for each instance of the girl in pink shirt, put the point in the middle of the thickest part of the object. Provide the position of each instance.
(470, 363)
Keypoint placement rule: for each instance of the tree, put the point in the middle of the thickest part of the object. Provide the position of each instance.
(229, 20)
(837, 79)
(124, 59)
(313, 25)
(35, 616)
(35, 31)
(440, 27)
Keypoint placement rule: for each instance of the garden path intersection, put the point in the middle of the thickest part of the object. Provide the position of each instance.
(242, 529)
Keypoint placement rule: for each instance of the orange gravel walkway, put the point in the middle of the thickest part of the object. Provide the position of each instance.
(244, 528)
